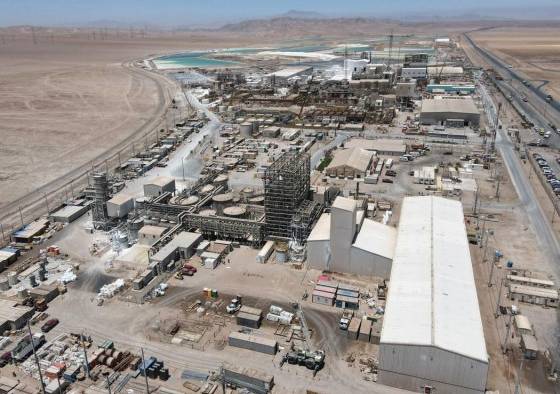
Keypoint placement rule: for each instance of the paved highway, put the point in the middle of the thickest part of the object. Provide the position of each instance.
(537, 110)
(539, 219)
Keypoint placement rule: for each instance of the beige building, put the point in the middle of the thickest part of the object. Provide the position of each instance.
(349, 163)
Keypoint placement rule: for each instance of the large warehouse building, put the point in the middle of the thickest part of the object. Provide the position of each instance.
(452, 112)
(432, 337)
(344, 241)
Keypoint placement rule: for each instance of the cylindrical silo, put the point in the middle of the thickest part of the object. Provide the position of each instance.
(13, 279)
(246, 129)
(4, 285)
(221, 201)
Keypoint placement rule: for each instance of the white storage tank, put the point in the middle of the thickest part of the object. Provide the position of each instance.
(246, 129)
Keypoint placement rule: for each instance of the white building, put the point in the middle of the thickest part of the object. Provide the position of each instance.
(158, 186)
(414, 72)
(443, 42)
(120, 205)
(432, 334)
(344, 241)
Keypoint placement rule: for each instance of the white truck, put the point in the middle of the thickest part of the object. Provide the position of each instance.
(344, 322)
(25, 346)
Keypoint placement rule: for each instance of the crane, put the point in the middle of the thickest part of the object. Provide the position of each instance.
(305, 356)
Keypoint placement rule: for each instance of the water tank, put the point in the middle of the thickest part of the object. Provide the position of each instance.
(246, 129)
(4, 285)
(221, 179)
(259, 200)
(22, 293)
(237, 211)
(191, 200)
(248, 192)
(282, 253)
(13, 279)
(207, 189)
(220, 201)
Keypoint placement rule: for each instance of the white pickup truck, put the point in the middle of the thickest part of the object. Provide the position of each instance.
(344, 322)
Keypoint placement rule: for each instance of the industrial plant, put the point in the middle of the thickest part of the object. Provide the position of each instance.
(332, 220)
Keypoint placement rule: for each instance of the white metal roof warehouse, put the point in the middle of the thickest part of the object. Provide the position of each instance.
(432, 331)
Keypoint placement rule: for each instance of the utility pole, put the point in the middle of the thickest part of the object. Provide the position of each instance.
(498, 184)
(21, 216)
(108, 383)
(496, 314)
(223, 379)
(518, 382)
(493, 263)
(485, 246)
(47, 203)
(85, 355)
(145, 372)
(475, 201)
(36, 359)
(504, 348)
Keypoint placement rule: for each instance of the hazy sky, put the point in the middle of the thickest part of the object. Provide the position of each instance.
(185, 12)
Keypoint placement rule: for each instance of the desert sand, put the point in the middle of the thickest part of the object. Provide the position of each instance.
(534, 51)
(68, 100)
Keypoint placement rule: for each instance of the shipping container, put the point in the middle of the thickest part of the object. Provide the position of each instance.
(354, 328)
(326, 289)
(322, 297)
(365, 330)
(251, 310)
(346, 302)
(248, 320)
(253, 380)
(252, 342)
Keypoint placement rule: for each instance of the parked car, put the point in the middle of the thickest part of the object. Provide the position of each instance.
(49, 325)
(234, 305)
(391, 173)
(190, 267)
(5, 359)
(387, 180)
(187, 272)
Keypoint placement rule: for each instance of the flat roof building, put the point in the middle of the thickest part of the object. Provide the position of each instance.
(13, 316)
(68, 213)
(182, 246)
(149, 235)
(440, 111)
(283, 75)
(432, 332)
(120, 205)
(382, 146)
(158, 186)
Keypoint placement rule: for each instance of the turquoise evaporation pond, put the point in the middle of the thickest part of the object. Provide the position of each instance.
(201, 59)
(193, 59)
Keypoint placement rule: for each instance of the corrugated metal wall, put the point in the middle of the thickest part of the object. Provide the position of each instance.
(412, 367)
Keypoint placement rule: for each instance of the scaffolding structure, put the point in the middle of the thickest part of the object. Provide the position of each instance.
(304, 217)
(98, 192)
(286, 185)
(221, 227)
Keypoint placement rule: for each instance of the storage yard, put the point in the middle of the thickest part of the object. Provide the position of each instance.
(346, 227)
